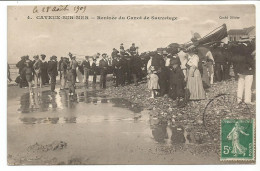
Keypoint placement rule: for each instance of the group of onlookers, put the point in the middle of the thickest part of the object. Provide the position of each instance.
(181, 74)
(40, 72)
(186, 73)
(175, 75)
(29, 71)
(125, 65)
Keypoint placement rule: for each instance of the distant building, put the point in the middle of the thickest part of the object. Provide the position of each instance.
(238, 34)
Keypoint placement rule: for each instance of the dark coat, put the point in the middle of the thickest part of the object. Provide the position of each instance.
(114, 53)
(136, 65)
(117, 64)
(20, 65)
(86, 64)
(123, 64)
(52, 68)
(157, 61)
(132, 49)
(175, 61)
(242, 60)
(218, 55)
(103, 65)
(176, 76)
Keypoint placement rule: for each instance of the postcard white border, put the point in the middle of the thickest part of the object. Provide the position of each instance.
(3, 89)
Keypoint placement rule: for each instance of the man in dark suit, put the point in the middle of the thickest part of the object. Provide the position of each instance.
(103, 64)
(52, 71)
(44, 68)
(86, 66)
(117, 70)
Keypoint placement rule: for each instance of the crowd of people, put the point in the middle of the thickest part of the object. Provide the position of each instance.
(182, 73)
(125, 65)
(185, 73)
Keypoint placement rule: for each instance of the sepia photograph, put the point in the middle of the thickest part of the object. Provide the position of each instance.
(131, 84)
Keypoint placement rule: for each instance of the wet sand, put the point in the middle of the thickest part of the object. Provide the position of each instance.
(96, 129)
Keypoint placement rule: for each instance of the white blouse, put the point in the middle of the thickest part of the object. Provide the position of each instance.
(193, 60)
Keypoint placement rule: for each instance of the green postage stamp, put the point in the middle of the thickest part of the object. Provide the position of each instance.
(237, 140)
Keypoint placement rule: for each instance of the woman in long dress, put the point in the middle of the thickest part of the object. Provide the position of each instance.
(234, 137)
(194, 81)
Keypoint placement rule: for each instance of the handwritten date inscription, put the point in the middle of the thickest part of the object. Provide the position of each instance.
(47, 9)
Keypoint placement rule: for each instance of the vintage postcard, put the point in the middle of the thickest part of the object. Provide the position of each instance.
(131, 84)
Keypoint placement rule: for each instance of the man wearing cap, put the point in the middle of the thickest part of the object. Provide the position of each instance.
(132, 49)
(86, 67)
(122, 47)
(52, 71)
(44, 73)
(73, 66)
(103, 64)
(136, 67)
(117, 64)
(37, 71)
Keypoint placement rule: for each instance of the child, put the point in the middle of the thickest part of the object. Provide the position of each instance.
(71, 81)
(153, 84)
(28, 72)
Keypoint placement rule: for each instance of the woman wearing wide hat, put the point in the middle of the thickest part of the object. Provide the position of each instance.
(194, 81)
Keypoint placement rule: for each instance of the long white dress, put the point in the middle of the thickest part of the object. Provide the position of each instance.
(194, 81)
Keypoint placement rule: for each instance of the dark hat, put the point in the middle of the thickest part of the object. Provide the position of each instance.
(43, 56)
(36, 56)
(121, 44)
(133, 43)
(53, 57)
(87, 57)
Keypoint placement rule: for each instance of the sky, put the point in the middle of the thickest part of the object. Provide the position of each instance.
(87, 37)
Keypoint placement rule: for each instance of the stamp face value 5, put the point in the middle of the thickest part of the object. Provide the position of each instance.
(237, 140)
